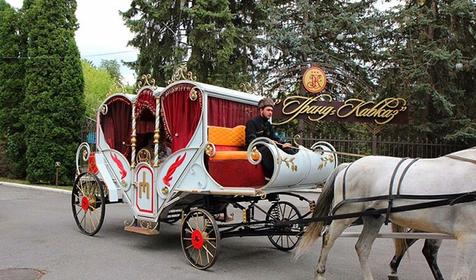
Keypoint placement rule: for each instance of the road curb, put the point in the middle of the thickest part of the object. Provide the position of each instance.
(34, 187)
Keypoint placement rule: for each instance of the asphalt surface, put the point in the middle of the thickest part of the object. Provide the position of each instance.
(38, 232)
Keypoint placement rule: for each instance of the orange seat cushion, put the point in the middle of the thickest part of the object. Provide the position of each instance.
(231, 155)
(224, 136)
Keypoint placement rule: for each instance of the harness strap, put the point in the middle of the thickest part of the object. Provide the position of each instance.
(343, 183)
(461, 158)
(390, 196)
(403, 175)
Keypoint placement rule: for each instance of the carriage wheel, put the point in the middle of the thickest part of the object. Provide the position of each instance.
(200, 239)
(88, 203)
(285, 211)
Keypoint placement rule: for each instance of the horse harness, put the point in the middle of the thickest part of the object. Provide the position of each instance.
(452, 198)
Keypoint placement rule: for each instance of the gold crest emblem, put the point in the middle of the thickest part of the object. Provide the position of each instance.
(314, 80)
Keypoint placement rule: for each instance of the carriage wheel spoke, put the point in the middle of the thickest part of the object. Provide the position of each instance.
(80, 210)
(207, 253)
(294, 215)
(189, 226)
(200, 256)
(211, 244)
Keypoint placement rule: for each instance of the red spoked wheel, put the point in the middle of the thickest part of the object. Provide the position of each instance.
(200, 239)
(88, 203)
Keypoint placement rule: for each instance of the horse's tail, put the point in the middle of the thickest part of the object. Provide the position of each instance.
(400, 244)
(323, 207)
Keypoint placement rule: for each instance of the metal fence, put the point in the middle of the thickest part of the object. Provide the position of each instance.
(400, 147)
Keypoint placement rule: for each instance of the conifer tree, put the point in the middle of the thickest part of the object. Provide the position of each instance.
(12, 70)
(429, 58)
(216, 39)
(54, 105)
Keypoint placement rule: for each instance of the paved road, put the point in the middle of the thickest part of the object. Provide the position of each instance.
(37, 231)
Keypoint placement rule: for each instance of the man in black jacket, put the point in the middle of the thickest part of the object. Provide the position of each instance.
(260, 126)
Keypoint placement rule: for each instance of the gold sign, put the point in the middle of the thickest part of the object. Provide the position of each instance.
(144, 187)
(319, 108)
(314, 80)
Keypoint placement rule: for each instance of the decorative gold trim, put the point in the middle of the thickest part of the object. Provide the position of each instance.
(165, 190)
(144, 155)
(104, 109)
(148, 224)
(210, 150)
(85, 155)
(325, 160)
(243, 216)
(193, 94)
(261, 194)
(156, 136)
(146, 80)
(179, 74)
(289, 161)
(247, 87)
(295, 139)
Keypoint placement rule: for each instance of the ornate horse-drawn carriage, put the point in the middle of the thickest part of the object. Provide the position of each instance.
(178, 153)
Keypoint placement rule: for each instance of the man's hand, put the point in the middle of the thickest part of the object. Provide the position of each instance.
(287, 145)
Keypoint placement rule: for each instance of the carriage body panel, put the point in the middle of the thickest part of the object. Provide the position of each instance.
(133, 131)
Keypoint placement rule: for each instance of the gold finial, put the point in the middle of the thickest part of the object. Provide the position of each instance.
(182, 73)
(250, 88)
(146, 80)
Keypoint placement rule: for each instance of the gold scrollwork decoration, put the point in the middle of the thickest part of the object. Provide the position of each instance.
(210, 150)
(143, 156)
(182, 73)
(146, 80)
(290, 163)
(295, 139)
(165, 190)
(325, 160)
(193, 94)
(104, 109)
(249, 88)
(148, 224)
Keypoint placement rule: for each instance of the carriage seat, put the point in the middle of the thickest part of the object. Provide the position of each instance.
(229, 143)
(229, 162)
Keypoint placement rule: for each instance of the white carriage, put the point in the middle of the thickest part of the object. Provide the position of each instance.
(179, 153)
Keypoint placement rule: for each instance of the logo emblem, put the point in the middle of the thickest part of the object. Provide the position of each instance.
(314, 80)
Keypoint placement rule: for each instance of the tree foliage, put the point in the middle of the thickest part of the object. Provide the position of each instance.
(113, 68)
(215, 38)
(54, 108)
(12, 70)
(98, 82)
(422, 50)
(429, 57)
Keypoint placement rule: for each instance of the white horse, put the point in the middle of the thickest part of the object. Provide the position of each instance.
(371, 176)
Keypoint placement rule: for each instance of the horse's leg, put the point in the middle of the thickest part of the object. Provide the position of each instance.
(363, 246)
(466, 245)
(430, 251)
(335, 230)
(395, 263)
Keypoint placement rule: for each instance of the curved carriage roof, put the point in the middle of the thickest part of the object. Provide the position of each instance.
(218, 92)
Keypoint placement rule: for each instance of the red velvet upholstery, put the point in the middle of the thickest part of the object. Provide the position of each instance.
(236, 173)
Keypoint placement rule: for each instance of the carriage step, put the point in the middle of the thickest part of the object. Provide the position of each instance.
(141, 230)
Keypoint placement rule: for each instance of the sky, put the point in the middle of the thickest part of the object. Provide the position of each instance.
(102, 33)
